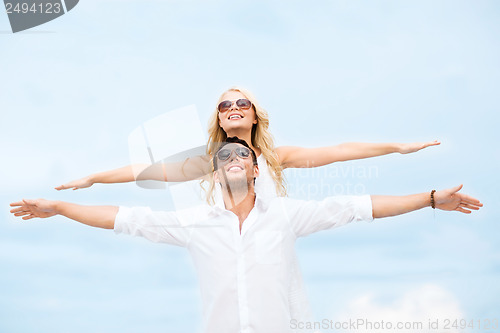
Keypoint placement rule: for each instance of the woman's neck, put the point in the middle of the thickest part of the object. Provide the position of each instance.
(247, 136)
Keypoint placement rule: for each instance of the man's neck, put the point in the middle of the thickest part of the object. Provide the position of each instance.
(240, 203)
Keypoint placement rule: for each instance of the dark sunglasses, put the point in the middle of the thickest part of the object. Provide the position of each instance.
(224, 153)
(242, 103)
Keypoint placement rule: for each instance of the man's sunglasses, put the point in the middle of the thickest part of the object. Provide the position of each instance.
(242, 103)
(224, 153)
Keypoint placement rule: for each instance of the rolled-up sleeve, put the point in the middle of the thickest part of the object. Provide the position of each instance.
(161, 227)
(307, 217)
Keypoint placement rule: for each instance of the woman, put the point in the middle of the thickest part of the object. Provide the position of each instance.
(239, 114)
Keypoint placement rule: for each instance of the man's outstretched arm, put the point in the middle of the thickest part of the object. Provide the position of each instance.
(450, 199)
(94, 216)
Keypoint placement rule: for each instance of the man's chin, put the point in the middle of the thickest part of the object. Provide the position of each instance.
(237, 182)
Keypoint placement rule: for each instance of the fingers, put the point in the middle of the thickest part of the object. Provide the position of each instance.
(456, 188)
(435, 143)
(65, 187)
(19, 209)
(469, 206)
(29, 202)
(22, 203)
(462, 210)
(27, 208)
(470, 200)
(432, 143)
(475, 204)
(466, 207)
(23, 213)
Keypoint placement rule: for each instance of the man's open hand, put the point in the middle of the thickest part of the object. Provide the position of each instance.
(29, 209)
(450, 199)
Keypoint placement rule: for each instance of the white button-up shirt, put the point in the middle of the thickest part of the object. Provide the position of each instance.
(245, 278)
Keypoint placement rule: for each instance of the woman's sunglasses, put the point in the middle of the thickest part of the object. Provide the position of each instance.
(242, 103)
(224, 153)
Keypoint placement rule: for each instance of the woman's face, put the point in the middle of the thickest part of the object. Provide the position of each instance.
(236, 119)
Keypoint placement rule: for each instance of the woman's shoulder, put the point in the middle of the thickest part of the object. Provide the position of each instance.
(284, 153)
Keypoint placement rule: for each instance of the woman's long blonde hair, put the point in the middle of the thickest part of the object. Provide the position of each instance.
(261, 138)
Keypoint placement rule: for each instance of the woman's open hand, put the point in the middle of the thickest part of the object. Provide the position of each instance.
(406, 148)
(77, 184)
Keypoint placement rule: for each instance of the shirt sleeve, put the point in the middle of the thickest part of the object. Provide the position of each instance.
(160, 227)
(307, 217)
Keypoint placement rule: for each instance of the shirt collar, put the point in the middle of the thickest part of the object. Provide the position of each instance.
(260, 202)
(219, 207)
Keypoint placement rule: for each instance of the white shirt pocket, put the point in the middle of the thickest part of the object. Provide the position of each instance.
(268, 247)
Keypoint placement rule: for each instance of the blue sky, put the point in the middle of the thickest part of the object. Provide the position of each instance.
(328, 72)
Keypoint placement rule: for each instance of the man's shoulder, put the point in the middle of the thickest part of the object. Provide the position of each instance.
(277, 202)
(196, 213)
(288, 202)
(187, 215)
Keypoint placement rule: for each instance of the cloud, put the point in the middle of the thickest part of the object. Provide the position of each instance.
(419, 306)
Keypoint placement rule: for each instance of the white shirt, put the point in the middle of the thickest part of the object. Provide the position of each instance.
(265, 186)
(245, 278)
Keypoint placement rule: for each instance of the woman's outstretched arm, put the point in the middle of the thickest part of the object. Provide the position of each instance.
(121, 175)
(299, 157)
(189, 169)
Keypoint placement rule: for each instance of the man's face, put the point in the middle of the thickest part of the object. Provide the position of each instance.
(235, 166)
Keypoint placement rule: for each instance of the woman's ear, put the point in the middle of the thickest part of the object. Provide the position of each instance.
(216, 177)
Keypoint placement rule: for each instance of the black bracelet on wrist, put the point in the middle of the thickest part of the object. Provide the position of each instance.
(433, 203)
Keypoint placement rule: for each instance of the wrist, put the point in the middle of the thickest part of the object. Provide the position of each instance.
(93, 178)
(58, 207)
(432, 198)
(398, 148)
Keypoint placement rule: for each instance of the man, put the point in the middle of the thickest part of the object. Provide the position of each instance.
(243, 251)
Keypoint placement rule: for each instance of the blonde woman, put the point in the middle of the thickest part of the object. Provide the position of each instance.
(238, 114)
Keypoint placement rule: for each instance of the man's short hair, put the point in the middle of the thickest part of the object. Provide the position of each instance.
(233, 139)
